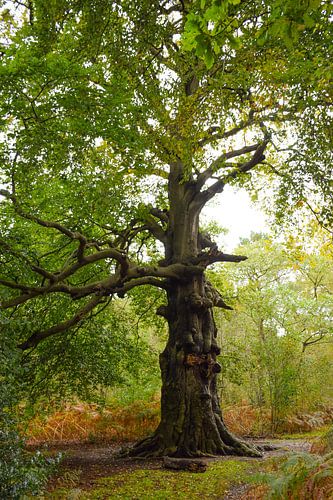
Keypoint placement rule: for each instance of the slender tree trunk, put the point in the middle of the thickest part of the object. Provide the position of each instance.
(191, 420)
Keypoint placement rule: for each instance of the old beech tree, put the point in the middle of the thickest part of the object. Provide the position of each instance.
(120, 121)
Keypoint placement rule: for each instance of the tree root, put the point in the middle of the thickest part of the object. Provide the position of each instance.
(153, 447)
(237, 446)
(150, 447)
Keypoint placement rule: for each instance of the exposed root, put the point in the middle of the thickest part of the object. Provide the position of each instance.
(153, 447)
(238, 447)
(150, 447)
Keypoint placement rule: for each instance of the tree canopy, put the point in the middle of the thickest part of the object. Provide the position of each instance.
(97, 100)
(120, 121)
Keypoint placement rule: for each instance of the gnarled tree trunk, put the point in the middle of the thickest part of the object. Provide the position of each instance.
(191, 419)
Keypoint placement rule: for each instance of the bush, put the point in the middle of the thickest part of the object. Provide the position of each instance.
(301, 477)
(21, 472)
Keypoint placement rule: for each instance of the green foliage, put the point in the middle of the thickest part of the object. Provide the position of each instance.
(271, 345)
(106, 351)
(213, 26)
(290, 480)
(21, 472)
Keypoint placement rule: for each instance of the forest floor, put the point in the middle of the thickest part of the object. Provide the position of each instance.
(93, 471)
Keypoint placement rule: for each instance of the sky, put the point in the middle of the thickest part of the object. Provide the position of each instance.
(234, 211)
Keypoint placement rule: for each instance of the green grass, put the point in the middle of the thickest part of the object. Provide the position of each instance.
(166, 485)
(305, 435)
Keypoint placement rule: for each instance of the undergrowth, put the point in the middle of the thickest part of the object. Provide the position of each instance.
(89, 423)
(124, 420)
(301, 476)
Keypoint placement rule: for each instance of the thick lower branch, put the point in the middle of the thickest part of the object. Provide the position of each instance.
(37, 337)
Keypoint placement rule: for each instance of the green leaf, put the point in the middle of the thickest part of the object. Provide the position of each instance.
(235, 43)
(308, 21)
(209, 58)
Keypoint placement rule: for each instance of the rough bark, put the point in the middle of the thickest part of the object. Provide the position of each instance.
(191, 419)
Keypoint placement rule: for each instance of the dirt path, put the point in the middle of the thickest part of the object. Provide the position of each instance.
(83, 464)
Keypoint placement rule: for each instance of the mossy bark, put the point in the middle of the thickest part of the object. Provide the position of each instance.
(191, 420)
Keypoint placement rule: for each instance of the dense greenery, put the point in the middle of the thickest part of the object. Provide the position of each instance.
(277, 345)
(20, 472)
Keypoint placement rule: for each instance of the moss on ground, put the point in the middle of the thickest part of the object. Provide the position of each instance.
(165, 485)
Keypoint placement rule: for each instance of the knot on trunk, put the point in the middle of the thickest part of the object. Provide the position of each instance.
(205, 362)
(199, 302)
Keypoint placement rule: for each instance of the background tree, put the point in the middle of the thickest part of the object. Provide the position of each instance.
(116, 134)
(279, 344)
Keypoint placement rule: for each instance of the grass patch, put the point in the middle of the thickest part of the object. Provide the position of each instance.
(163, 485)
(305, 435)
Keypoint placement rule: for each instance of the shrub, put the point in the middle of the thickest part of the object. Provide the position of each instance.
(21, 472)
(301, 477)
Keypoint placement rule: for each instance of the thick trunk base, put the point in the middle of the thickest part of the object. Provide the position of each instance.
(155, 447)
(191, 420)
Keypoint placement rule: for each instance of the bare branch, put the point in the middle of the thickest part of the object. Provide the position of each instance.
(154, 228)
(220, 162)
(218, 186)
(314, 338)
(33, 292)
(24, 258)
(214, 133)
(82, 260)
(17, 286)
(146, 280)
(111, 253)
(175, 271)
(116, 283)
(160, 214)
